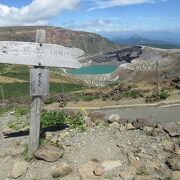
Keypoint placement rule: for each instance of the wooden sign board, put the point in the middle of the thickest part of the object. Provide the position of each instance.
(39, 82)
(37, 54)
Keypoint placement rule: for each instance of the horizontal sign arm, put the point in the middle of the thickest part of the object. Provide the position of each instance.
(33, 54)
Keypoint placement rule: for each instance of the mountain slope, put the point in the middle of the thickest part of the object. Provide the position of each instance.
(91, 43)
(137, 40)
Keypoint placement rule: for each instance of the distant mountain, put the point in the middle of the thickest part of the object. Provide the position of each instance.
(170, 37)
(137, 40)
(89, 42)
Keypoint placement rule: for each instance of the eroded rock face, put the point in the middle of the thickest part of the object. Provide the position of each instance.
(19, 169)
(123, 55)
(49, 153)
(172, 128)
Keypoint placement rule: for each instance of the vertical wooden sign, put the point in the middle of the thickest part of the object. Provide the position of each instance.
(39, 87)
(39, 55)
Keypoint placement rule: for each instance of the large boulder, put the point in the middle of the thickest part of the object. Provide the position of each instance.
(142, 122)
(172, 128)
(49, 153)
(116, 118)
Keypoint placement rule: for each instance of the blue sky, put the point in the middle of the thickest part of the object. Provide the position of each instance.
(94, 15)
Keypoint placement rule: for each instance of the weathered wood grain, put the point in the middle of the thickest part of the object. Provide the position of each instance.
(39, 81)
(38, 54)
(34, 131)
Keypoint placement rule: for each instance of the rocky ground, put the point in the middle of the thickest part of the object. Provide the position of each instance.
(110, 149)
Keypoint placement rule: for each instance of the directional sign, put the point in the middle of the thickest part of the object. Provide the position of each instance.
(37, 54)
(40, 56)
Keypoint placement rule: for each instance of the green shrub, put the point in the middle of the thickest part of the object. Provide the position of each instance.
(163, 94)
(54, 119)
(50, 119)
(75, 121)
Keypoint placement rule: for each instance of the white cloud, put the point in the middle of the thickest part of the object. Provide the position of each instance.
(102, 4)
(36, 13)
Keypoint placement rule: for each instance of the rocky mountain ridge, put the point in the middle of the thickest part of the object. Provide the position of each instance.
(89, 42)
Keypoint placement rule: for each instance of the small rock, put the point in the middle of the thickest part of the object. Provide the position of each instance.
(61, 170)
(7, 131)
(114, 118)
(12, 112)
(48, 136)
(55, 139)
(19, 169)
(176, 175)
(172, 128)
(122, 128)
(86, 170)
(49, 153)
(141, 122)
(174, 163)
(114, 125)
(99, 171)
(129, 126)
(109, 165)
(143, 178)
(148, 130)
(62, 135)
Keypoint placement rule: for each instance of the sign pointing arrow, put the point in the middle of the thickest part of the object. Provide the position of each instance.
(37, 54)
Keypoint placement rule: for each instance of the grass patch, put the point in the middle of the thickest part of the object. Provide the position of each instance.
(14, 90)
(55, 119)
(3, 111)
(163, 95)
(20, 111)
(25, 153)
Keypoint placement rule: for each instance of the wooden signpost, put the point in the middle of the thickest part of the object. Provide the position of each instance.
(40, 56)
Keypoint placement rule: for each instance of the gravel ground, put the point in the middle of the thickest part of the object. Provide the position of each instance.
(96, 144)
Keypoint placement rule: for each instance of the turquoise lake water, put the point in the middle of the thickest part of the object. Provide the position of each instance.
(95, 69)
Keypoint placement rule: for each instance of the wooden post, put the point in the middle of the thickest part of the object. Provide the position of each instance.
(37, 92)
